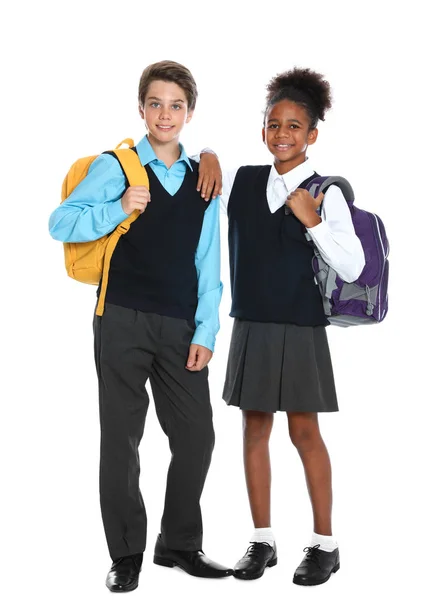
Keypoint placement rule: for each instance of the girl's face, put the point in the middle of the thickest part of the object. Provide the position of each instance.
(287, 134)
(165, 111)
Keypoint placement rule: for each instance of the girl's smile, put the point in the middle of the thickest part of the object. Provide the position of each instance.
(283, 147)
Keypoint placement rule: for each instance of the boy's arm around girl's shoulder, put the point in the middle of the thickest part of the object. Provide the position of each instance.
(94, 207)
(228, 177)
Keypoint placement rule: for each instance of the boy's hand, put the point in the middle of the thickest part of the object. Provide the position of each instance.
(210, 176)
(304, 206)
(135, 197)
(198, 357)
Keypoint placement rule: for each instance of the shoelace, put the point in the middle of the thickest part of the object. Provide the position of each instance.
(256, 548)
(313, 554)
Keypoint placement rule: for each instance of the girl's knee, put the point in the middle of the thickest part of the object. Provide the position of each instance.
(257, 426)
(304, 433)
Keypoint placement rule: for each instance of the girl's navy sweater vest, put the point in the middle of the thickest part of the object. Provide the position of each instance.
(270, 259)
(153, 265)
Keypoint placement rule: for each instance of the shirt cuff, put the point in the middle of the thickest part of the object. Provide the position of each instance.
(207, 151)
(115, 213)
(318, 231)
(203, 337)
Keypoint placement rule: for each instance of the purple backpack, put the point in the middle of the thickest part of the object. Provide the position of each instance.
(365, 300)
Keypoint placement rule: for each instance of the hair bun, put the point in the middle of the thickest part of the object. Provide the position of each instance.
(308, 84)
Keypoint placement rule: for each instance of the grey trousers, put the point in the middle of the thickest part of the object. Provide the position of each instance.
(131, 347)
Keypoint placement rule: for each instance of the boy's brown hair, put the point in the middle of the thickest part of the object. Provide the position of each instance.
(168, 70)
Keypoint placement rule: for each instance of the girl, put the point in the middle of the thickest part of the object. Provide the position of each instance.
(279, 357)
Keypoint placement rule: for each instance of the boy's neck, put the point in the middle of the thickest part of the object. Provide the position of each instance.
(169, 152)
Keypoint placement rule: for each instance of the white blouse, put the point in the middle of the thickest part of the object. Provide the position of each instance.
(334, 237)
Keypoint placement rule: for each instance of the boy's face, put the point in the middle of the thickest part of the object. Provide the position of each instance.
(286, 133)
(165, 111)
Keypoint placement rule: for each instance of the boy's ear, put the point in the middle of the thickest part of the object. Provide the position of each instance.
(312, 136)
(189, 116)
(263, 135)
(141, 111)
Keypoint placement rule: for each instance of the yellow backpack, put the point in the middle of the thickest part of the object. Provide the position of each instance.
(89, 262)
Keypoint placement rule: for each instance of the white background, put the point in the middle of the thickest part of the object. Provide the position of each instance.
(69, 78)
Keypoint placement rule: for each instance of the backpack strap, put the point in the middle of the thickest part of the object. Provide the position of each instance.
(130, 143)
(304, 185)
(136, 175)
(326, 275)
(321, 184)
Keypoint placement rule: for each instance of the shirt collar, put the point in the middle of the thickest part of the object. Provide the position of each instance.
(293, 178)
(147, 154)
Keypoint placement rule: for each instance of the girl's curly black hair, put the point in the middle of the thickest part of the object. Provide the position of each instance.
(304, 87)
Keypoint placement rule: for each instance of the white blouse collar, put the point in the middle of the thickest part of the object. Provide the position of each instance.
(293, 178)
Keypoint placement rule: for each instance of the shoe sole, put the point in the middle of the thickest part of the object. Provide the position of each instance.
(272, 563)
(334, 570)
(123, 591)
(166, 562)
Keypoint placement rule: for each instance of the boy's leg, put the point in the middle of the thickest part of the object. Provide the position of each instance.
(305, 435)
(184, 411)
(124, 351)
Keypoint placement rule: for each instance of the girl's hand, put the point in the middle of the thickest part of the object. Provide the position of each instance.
(210, 176)
(198, 357)
(304, 206)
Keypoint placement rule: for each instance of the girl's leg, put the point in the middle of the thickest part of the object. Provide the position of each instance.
(262, 552)
(257, 428)
(305, 435)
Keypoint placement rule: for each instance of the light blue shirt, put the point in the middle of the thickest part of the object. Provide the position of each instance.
(94, 209)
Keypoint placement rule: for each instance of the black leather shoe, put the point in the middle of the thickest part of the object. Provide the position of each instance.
(258, 556)
(124, 573)
(193, 562)
(317, 566)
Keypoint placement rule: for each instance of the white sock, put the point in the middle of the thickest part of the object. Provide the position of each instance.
(263, 534)
(327, 542)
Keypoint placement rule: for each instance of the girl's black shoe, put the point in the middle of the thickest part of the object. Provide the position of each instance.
(317, 566)
(258, 556)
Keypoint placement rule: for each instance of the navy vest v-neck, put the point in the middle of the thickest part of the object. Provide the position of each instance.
(270, 259)
(153, 266)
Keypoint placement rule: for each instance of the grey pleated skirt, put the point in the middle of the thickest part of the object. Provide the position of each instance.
(276, 367)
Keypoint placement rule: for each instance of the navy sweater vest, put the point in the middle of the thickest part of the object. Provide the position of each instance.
(270, 259)
(153, 265)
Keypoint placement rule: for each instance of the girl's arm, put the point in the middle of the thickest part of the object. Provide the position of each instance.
(335, 237)
(228, 178)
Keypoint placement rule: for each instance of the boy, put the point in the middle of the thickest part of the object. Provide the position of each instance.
(160, 322)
